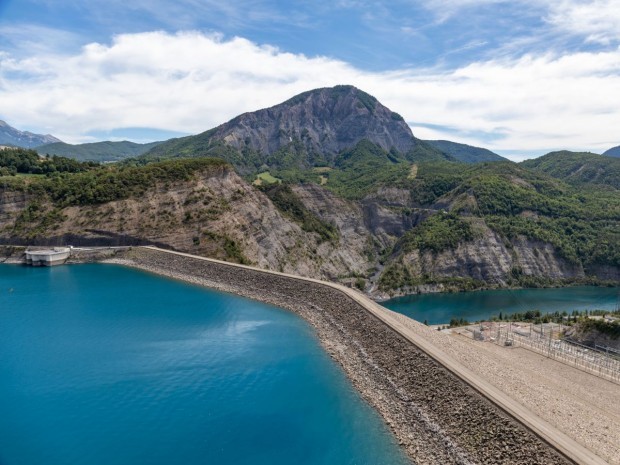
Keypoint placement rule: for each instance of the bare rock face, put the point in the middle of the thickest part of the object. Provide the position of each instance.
(354, 252)
(488, 259)
(485, 259)
(325, 121)
(11, 204)
(536, 258)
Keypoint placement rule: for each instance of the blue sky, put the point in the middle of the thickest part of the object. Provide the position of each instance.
(521, 77)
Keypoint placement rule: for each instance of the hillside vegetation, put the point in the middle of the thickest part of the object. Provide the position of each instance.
(578, 168)
(583, 224)
(580, 220)
(97, 151)
(24, 161)
(108, 183)
(465, 153)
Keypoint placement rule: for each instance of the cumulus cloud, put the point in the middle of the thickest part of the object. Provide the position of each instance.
(191, 81)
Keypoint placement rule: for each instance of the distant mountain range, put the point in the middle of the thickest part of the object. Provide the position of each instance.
(613, 152)
(578, 168)
(97, 151)
(14, 137)
(49, 145)
(465, 153)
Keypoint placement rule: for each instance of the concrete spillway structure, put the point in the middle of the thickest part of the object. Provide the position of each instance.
(50, 257)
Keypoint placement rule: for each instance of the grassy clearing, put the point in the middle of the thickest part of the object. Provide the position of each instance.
(266, 178)
(414, 172)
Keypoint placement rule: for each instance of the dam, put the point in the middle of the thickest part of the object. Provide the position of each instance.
(439, 412)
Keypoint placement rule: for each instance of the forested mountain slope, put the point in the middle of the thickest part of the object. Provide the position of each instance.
(578, 168)
(490, 225)
(97, 151)
(465, 153)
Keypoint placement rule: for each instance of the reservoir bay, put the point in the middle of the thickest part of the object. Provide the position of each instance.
(439, 308)
(102, 364)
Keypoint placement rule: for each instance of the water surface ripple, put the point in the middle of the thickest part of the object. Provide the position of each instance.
(101, 364)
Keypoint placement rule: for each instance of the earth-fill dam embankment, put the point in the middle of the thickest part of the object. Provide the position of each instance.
(436, 417)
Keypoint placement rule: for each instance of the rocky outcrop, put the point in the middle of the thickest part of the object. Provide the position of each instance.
(12, 203)
(488, 259)
(12, 254)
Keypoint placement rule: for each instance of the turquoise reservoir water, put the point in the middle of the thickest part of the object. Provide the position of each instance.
(480, 305)
(101, 364)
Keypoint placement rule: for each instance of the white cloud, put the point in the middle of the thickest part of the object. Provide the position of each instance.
(443, 10)
(597, 20)
(190, 82)
(30, 38)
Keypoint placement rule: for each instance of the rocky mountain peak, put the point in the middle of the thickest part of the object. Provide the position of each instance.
(11, 136)
(325, 121)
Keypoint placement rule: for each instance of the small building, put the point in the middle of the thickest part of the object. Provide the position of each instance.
(49, 257)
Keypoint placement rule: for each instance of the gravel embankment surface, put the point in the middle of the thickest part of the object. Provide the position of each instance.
(437, 418)
(583, 406)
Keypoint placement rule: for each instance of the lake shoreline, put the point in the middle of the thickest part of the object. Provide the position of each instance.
(441, 289)
(440, 309)
(16, 255)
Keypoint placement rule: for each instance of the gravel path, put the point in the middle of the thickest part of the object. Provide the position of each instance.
(583, 406)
